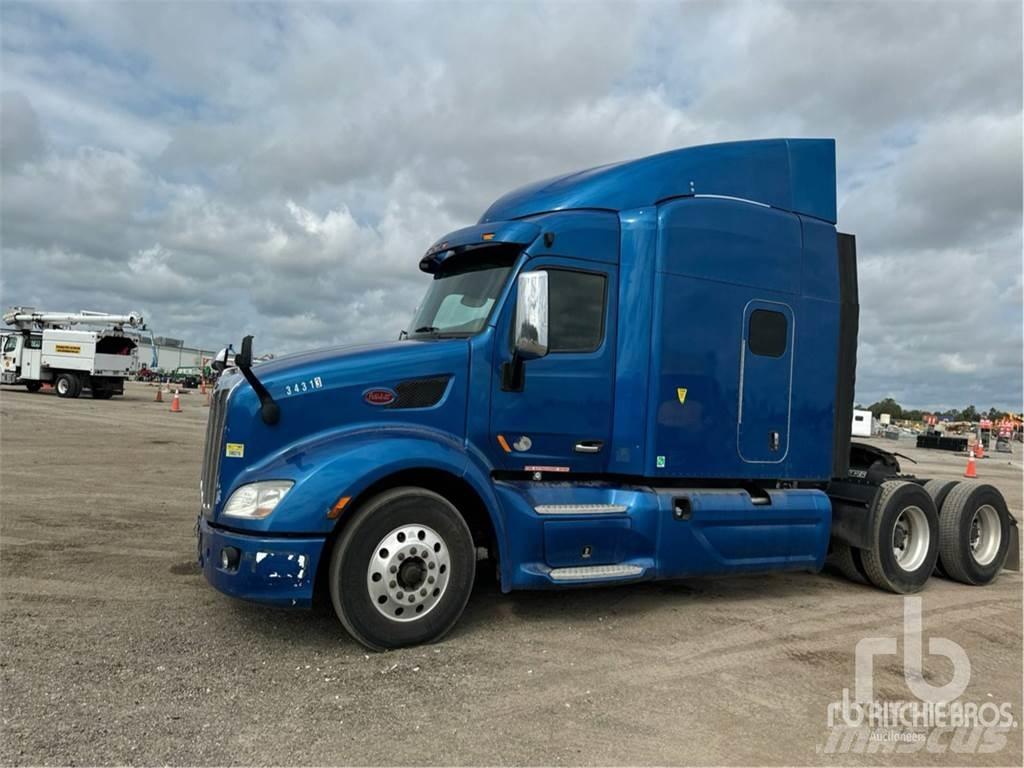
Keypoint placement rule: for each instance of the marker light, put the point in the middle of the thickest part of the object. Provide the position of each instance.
(256, 500)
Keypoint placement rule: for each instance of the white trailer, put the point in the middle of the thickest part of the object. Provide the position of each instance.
(861, 423)
(46, 348)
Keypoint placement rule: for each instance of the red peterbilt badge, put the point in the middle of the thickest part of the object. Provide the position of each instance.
(379, 396)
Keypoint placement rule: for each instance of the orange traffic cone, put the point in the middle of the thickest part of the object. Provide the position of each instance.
(972, 470)
(979, 449)
(159, 395)
(202, 386)
(176, 403)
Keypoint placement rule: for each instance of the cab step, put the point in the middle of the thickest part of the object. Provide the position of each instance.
(596, 572)
(581, 509)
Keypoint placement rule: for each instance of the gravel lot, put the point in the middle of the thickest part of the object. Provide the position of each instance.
(114, 650)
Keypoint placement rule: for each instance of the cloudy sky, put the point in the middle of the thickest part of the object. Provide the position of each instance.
(279, 169)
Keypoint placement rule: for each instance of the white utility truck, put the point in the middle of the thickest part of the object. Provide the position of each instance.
(47, 348)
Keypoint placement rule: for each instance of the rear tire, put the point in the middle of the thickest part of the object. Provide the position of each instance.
(33, 386)
(402, 569)
(67, 385)
(849, 561)
(939, 490)
(974, 533)
(904, 537)
(102, 394)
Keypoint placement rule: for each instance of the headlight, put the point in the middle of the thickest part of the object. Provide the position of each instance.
(257, 500)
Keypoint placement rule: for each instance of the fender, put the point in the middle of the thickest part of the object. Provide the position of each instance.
(346, 462)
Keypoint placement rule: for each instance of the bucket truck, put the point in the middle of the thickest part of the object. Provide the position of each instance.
(49, 348)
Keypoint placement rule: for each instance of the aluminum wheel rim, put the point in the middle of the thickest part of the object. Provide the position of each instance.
(63, 386)
(986, 534)
(910, 538)
(408, 573)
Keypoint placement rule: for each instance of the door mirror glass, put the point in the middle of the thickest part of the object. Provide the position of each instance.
(531, 328)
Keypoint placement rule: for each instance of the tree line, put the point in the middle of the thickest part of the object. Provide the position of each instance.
(894, 409)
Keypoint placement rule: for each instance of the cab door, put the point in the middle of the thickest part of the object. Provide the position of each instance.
(11, 355)
(766, 371)
(562, 417)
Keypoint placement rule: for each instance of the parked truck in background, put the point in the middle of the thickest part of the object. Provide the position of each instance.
(639, 371)
(50, 348)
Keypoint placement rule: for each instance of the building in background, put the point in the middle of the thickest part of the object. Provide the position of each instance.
(171, 354)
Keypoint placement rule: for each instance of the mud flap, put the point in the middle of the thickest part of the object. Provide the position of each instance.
(1013, 555)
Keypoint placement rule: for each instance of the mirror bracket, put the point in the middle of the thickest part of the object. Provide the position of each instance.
(513, 374)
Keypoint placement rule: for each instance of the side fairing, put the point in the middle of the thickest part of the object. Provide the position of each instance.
(721, 404)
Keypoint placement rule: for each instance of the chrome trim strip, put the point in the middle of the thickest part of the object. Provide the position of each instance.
(595, 572)
(581, 509)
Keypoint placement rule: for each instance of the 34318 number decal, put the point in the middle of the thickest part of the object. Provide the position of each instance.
(301, 387)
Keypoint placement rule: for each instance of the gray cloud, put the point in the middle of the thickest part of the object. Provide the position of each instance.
(279, 169)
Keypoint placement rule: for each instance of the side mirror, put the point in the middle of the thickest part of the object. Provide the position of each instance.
(530, 327)
(531, 324)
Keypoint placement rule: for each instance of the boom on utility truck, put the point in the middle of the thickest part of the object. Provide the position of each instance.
(45, 347)
(640, 371)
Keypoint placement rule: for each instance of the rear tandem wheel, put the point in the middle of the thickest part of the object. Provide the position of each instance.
(904, 538)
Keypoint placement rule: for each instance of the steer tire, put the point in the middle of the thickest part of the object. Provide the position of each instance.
(67, 385)
(967, 505)
(376, 611)
(849, 561)
(939, 490)
(907, 503)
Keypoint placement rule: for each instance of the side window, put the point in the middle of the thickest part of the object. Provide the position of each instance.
(34, 342)
(576, 309)
(767, 333)
(10, 344)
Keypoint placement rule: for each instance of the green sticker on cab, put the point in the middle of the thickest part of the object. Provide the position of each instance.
(234, 450)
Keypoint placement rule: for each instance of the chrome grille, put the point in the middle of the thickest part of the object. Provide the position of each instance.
(212, 450)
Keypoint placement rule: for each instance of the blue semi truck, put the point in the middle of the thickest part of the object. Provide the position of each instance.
(639, 371)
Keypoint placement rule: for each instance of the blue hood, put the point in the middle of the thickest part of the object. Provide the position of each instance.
(326, 391)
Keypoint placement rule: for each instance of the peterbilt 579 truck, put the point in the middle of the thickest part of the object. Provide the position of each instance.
(639, 371)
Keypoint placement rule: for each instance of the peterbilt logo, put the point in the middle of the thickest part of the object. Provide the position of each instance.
(379, 396)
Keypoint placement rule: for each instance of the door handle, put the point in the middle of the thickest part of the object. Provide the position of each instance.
(588, 446)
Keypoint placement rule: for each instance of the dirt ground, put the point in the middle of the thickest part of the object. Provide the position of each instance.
(114, 650)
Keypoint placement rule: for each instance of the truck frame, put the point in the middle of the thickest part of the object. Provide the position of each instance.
(639, 371)
(47, 348)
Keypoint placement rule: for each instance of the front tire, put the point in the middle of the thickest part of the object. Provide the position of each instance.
(402, 569)
(974, 533)
(904, 537)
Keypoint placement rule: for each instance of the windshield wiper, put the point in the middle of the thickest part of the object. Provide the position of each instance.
(427, 329)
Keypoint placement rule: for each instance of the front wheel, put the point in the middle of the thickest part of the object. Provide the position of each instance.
(402, 569)
(904, 538)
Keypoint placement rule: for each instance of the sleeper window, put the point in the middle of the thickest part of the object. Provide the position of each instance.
(767, 333)
(576, 302)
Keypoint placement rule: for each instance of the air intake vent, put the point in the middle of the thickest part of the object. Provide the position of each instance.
(420, 393)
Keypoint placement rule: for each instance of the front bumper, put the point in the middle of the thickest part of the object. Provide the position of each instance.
(277, 571)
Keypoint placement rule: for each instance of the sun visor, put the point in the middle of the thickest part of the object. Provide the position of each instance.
(461, 240)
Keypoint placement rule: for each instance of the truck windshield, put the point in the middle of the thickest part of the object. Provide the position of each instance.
(459, 299)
